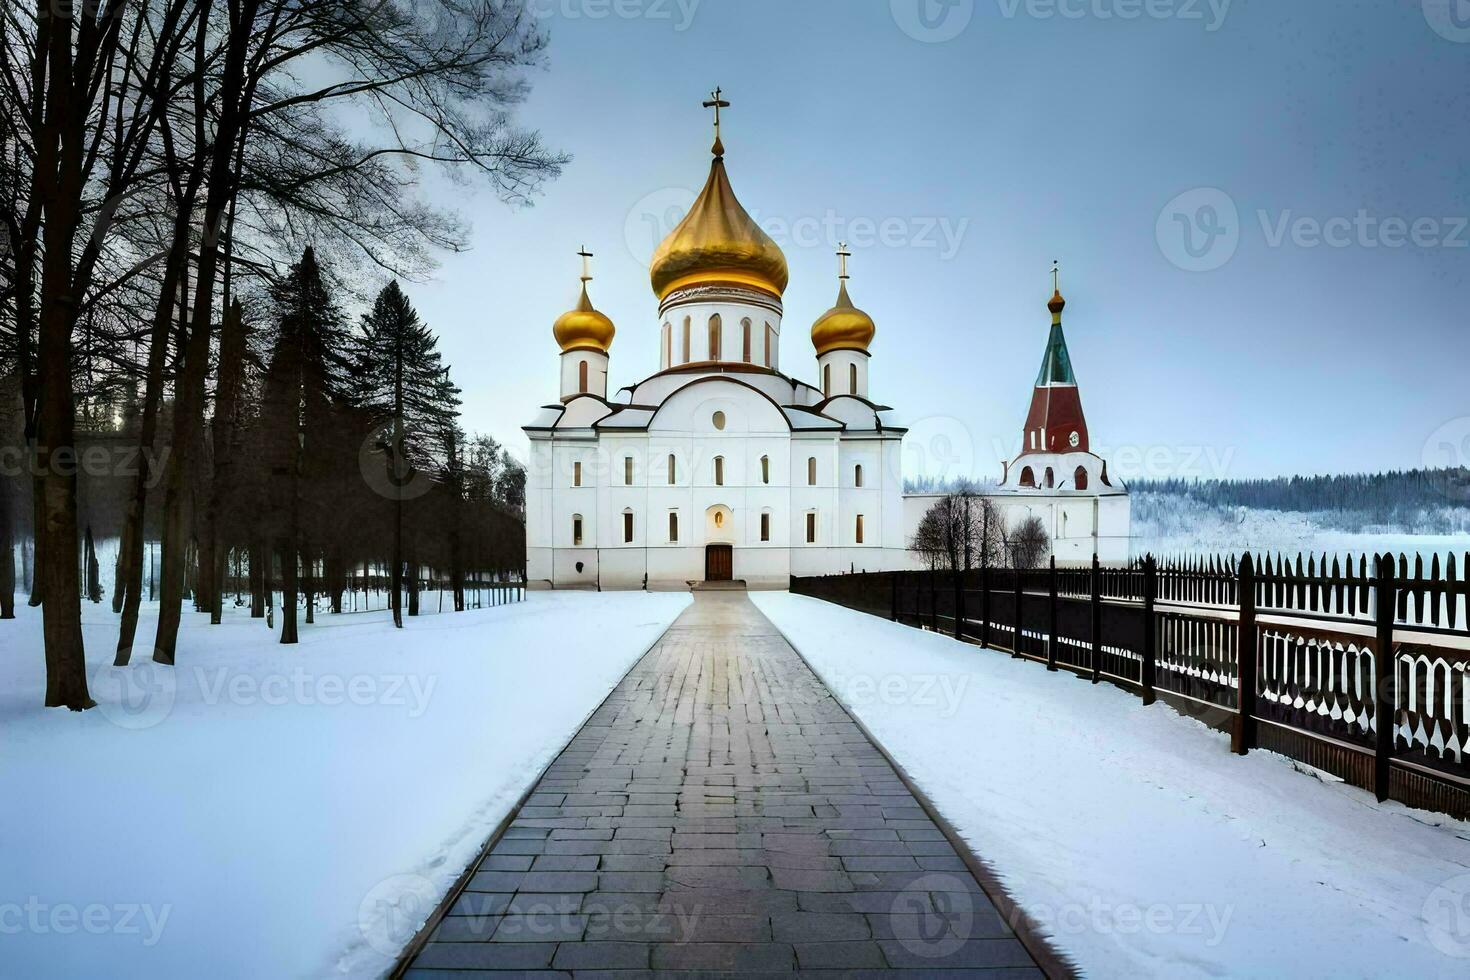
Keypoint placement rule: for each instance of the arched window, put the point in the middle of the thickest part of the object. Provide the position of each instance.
(811, 471)
(685, 359)
(673, 526)
(857, 475)
(582, 377)
(852, 378)
(765, 469)
(1051, 479)
(1028, 478)
(745, 340)
(627, 471)
(858, 531)
(627, 527)
(668, 346)
(576, 530)
(719, 471)
(770, 346)
(765, 525)
(1079, 479)
(827, 380)
(673, 470)
(714, 337)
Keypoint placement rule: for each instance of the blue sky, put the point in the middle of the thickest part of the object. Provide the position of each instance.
(1259, 208)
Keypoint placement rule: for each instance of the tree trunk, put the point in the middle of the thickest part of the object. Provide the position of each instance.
(226, 399)
(308, 581)
(94, 571)
(258, 579)
(7, 553)
(289, 595)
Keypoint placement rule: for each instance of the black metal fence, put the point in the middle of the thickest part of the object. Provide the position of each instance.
(1282, 656)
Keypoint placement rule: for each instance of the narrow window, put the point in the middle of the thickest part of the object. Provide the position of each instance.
(686, 341)
(1079, 479)
(858, 533)
(714, 337)
(827, 380)
(1028, 479)
(673, 473)
(576, 529)
(811, 471)
(770, 346)
(719, 471)
(628, 471)
(765, 469)
(765, 527)
(582, 377)
(1051, 480)
(745, 341)
(811, 529)
(628, 527)
(857, 475)
(668, 346)
(852, 378)
(673, 527)
(577, 473)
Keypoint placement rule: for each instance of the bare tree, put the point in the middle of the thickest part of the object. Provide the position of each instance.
(1027, 544)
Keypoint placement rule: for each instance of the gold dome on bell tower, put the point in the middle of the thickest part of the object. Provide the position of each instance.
(583, 327)
(844, 326)
(718, 242)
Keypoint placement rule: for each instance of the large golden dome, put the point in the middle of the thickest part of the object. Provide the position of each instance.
(843, 327)
(718, 243)
(583, 328)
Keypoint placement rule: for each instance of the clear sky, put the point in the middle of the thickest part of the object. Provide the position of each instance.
(1259, 208)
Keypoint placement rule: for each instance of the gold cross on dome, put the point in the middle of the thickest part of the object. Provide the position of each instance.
(842, 256)
(586, 264)
(717, 103)
(1056, 276)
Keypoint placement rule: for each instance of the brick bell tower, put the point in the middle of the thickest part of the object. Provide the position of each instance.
(1055, 423)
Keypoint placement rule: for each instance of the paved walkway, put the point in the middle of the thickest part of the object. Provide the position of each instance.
(721, 812)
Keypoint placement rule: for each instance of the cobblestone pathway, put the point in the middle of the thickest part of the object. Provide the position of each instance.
(722, 813)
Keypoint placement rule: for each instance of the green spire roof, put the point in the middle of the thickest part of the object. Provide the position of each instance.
(1056, 366)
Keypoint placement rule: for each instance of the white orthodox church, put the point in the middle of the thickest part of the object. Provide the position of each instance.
(719, 466)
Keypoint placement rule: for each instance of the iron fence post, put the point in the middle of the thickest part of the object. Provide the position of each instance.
(985, 604)
(1051, 616)
(1020, 596)
(959, 605)
(1385, 598)
(1150, 635)
(1243, 734)
(1096, 619)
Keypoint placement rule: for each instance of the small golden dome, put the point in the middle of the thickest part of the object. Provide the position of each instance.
(718, 242)
(583, 328)
(843, 327)
(1056, 304)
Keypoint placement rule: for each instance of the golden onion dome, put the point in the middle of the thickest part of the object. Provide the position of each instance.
(718, 243)
(843, 327)
(583, 328)
(1056, 304)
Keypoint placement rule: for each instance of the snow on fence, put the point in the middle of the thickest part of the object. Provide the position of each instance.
(1283, 657)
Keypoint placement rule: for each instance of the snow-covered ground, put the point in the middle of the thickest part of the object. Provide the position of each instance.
(1131, 834)
(269, 811)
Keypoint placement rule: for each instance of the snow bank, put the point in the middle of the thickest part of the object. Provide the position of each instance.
(1138, 842)
(269, 811)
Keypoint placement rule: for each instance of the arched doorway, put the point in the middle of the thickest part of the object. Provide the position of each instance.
(719, 549)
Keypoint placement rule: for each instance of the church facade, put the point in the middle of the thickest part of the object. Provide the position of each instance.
(718, 465)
